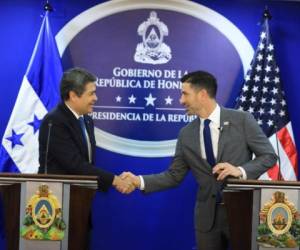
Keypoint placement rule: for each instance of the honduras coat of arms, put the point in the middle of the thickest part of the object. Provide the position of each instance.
(279, 223)
(43, 217)
(153, 50)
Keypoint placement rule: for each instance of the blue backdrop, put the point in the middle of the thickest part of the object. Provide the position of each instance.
(162, 220)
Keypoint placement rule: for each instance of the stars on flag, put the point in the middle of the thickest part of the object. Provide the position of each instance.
(38, 94)
(35, 124)
(15, 139)
(16, 135)
(263, 96)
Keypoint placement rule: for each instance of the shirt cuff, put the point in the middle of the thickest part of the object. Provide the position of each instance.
(244, 175)
(142, 186)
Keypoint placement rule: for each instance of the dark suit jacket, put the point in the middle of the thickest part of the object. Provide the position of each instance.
(68, 153)
(240, 138)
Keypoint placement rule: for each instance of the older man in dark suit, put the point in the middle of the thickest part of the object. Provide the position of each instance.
(72, 140)
(220, 143)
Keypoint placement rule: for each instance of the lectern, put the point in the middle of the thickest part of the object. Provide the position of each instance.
(46, 211)
(263, 214)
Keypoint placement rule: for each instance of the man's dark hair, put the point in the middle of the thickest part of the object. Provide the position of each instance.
(75, 80)
(202, 80)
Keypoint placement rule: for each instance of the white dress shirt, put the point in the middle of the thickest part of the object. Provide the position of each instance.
(215, 129)
(214, 126)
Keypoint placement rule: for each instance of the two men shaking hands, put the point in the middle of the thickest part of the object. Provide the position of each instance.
(129, 182)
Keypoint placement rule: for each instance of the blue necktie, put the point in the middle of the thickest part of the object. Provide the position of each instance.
(210, 154)
(208, 144)
(83, 129)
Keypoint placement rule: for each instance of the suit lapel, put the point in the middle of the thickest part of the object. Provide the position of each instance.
(224, 124)
(89, 127)
(196, 141)
(195, 135)
(84, 146)
(77, 130)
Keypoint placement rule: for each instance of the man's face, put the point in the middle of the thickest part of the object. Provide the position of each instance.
(84, 103)
(190, 98)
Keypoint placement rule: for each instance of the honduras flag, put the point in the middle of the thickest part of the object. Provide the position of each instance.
(38, 94)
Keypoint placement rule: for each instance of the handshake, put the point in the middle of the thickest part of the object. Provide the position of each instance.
(126, 182)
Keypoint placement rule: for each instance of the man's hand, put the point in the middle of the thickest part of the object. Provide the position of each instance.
(124, 186)
(135, 180)
(222, 170)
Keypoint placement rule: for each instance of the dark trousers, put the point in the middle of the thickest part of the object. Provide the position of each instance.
(218, 237)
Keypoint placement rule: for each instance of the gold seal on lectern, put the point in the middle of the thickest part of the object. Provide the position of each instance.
(279, 223)
(43, 217)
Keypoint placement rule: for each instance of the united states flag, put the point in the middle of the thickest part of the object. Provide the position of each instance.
(263, 96)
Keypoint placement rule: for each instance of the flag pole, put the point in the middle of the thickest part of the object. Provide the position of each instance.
(39, 93)
(48, 7)
(267, 16)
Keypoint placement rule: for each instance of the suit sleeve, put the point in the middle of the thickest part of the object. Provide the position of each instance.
(63, 150)
(172, 177)
(260, 145)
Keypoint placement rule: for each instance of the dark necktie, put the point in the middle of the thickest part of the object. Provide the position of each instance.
(83, 129)
(208, 143)
(210, 155)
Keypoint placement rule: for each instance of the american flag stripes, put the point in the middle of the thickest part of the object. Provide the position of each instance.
(263, 96)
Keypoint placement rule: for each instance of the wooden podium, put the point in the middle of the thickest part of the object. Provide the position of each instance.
(74, 193)
(245, 199)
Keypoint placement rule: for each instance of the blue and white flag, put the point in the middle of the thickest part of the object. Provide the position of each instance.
(38, 94)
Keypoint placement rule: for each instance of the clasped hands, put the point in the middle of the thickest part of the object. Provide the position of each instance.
(127, 182)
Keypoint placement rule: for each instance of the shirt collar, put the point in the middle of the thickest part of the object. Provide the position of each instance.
(214, 116)
(74, 112)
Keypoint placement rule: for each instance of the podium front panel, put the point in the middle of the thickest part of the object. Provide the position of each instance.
(70, 196)
(263, 215)
(291, 196)
(28, 190)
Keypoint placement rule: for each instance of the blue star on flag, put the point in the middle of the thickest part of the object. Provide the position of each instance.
(35, 124)
(15, 139)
